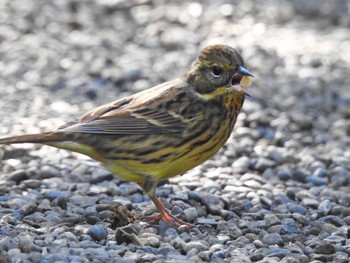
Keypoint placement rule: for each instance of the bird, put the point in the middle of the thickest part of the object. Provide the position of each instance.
(162, 131)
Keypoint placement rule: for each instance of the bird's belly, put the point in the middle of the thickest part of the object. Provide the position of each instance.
(165, 162)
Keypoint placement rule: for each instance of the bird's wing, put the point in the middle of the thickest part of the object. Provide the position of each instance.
(136, 114)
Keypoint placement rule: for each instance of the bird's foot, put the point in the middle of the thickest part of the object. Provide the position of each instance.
(169, 218)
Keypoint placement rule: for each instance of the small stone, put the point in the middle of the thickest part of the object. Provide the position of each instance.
(345, 212)
(325, 207)
(289, 226)
(49, 172)
(329, 228)
(185, 237)
(295, 208)
(98, 233)
(334, 220)
(218, 254)
(190, 214)
(313, 231)
(206, 221)
(205, 255)
(284, 174)
(26, 244)
(199, 246)
(177, 242)
(266, 201)
(271, 220)
(35, 218)
(320, 172)
(324, 248)
(18, 176)
(256, 257)
(61, 202)
(241, 164)
(216, 247)
(183, 228)
(335, 240)
(347, 220)
(301, 175)
(166, 249)
(258, 244)
(213, 203)
(263, 163)
(152, 241)
(32, 183)
(318, 181)
(313, 203)
(273, 239)
(195, 196)
(337, 210)
(29, 208)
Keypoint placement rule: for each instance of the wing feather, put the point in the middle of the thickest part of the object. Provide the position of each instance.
(130, 116)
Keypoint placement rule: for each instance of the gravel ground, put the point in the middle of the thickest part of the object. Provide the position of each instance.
(277, 192)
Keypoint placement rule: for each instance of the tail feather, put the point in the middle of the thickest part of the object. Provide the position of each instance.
(34, 138)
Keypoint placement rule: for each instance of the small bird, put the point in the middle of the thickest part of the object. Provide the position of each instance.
(163, 131)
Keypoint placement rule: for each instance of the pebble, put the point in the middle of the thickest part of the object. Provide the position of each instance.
(325, 207)
(213, 203)
(324, 248)
(18, 175)
(284, 174)
(197, 245)
(271, 220)
(263, 163)
(272, 239)
(289, 226)
(190, 214)
(310, 203)
(98, 233)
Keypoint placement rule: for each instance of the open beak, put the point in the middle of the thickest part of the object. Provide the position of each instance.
(245, 82)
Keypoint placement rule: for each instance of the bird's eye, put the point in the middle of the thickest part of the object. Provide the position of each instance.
(216, 71)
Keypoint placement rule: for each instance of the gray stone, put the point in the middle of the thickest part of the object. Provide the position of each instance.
(325, 207)
(271, 220)
(273, 239)
(213, 203)
(289, 226)
(18, 175)
(98, 233)
(190, 214)
(324, 248)
(199, 246)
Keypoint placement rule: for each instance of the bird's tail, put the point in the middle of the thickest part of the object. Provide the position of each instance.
(43, 138)
(58, 140)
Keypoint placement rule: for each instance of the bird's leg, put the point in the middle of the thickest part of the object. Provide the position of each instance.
(149, 186)
(165, 214)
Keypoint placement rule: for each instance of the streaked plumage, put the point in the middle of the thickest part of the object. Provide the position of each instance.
(163, 131)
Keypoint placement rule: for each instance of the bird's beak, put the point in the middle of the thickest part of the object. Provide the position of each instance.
(245, 72)
(238, 88)
(245, 82)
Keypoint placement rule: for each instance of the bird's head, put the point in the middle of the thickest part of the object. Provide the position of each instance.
(219, 70)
